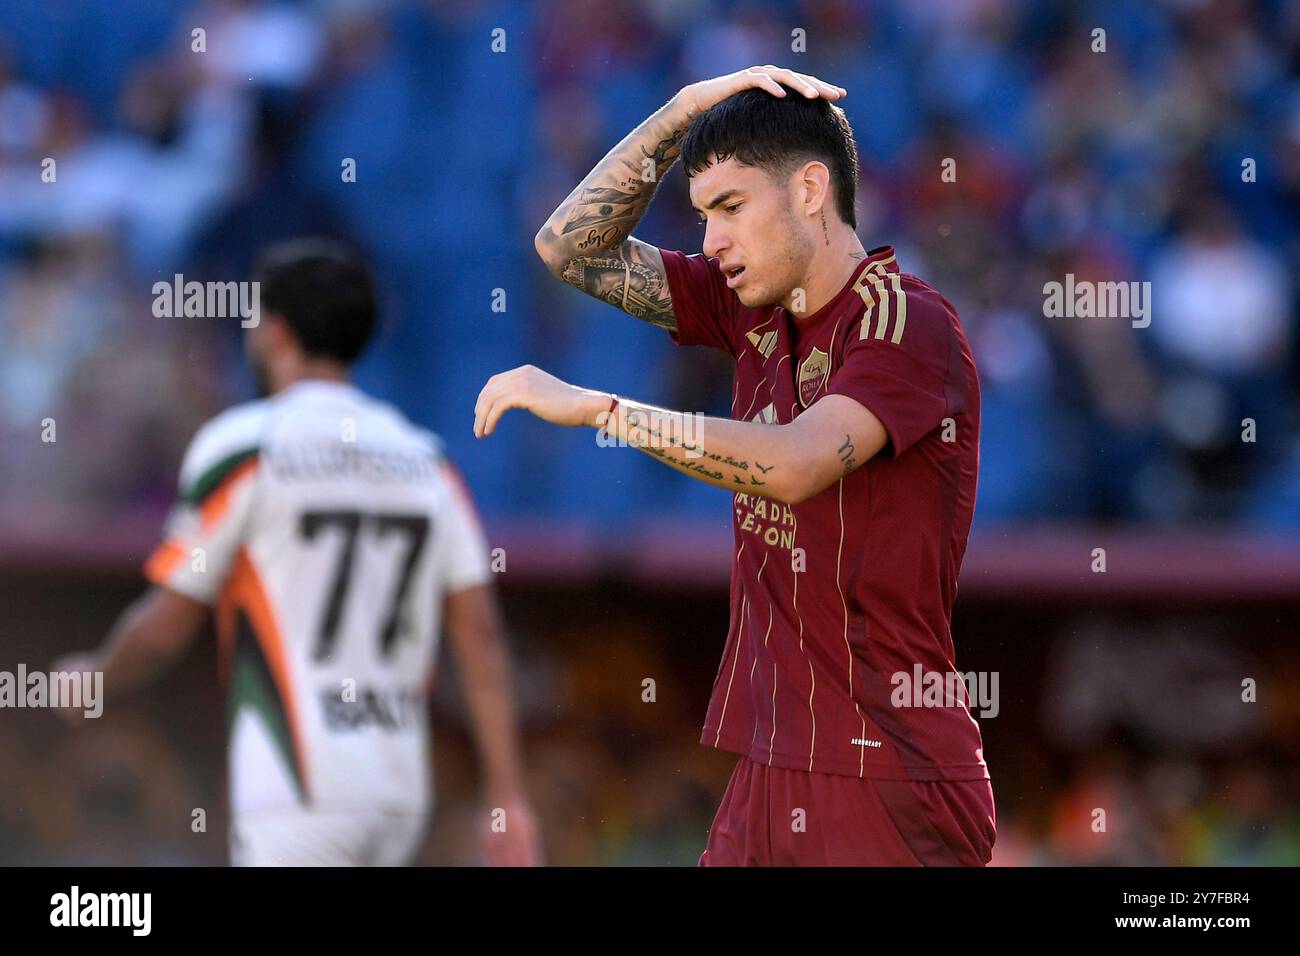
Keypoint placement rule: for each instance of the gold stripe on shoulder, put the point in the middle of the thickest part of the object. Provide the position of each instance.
(881, 264)
(897, 282)
(883, 294)
(872, 280)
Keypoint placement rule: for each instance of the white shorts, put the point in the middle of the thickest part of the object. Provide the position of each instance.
(300, 837)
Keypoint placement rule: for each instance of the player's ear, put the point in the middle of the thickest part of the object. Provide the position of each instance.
(275, 332)
(814, 183)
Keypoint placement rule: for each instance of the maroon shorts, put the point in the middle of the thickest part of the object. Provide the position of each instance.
(771, 816)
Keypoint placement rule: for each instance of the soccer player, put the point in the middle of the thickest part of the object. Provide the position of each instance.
(851, 451)
(336, 540)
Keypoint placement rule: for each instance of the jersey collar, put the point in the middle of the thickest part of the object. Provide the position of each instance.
(321, 386)
(880, 259)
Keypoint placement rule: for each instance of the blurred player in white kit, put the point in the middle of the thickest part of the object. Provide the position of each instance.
(335, 542)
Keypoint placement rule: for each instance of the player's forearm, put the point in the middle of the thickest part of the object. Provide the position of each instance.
(485, 677)
(790, 462)
(747, 457)
(606, 206)
(136, 650)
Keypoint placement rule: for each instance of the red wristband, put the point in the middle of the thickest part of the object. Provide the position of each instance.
(613, 404)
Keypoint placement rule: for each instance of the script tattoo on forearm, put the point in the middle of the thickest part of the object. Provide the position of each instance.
(845, 452)
(596, 239)
(658, 447)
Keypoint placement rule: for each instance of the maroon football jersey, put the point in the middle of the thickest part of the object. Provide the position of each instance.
(832, 597)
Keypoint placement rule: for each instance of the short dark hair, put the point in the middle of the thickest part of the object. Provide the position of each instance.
(775, 134)
(324, 291)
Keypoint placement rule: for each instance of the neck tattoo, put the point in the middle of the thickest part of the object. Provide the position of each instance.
(825, 235)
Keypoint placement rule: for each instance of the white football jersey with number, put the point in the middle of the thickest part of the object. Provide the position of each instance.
(326, 530)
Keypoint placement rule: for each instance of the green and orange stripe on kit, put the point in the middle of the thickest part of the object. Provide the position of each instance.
(254, 659)
(164, 560)
(220, 475)
(211, 494)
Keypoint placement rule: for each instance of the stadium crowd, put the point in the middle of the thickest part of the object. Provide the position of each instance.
(1123, 165)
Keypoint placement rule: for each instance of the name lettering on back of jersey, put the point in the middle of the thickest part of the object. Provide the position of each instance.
(386, 708)
(324, 460)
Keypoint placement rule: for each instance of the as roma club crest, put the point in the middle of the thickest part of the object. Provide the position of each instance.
(812, 375)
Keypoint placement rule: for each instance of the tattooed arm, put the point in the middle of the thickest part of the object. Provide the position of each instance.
(790, 463)
(588, 240)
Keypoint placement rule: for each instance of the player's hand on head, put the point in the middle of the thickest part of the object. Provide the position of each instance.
(706, 93)
(541, 393)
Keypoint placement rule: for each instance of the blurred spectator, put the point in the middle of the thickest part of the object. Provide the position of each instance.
(1122, 165)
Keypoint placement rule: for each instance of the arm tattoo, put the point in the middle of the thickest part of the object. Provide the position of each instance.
(604, 200)
(627, 280)
(658, 446)
(845, 452)
(665, 151)
(587, 240)
(603, 206)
